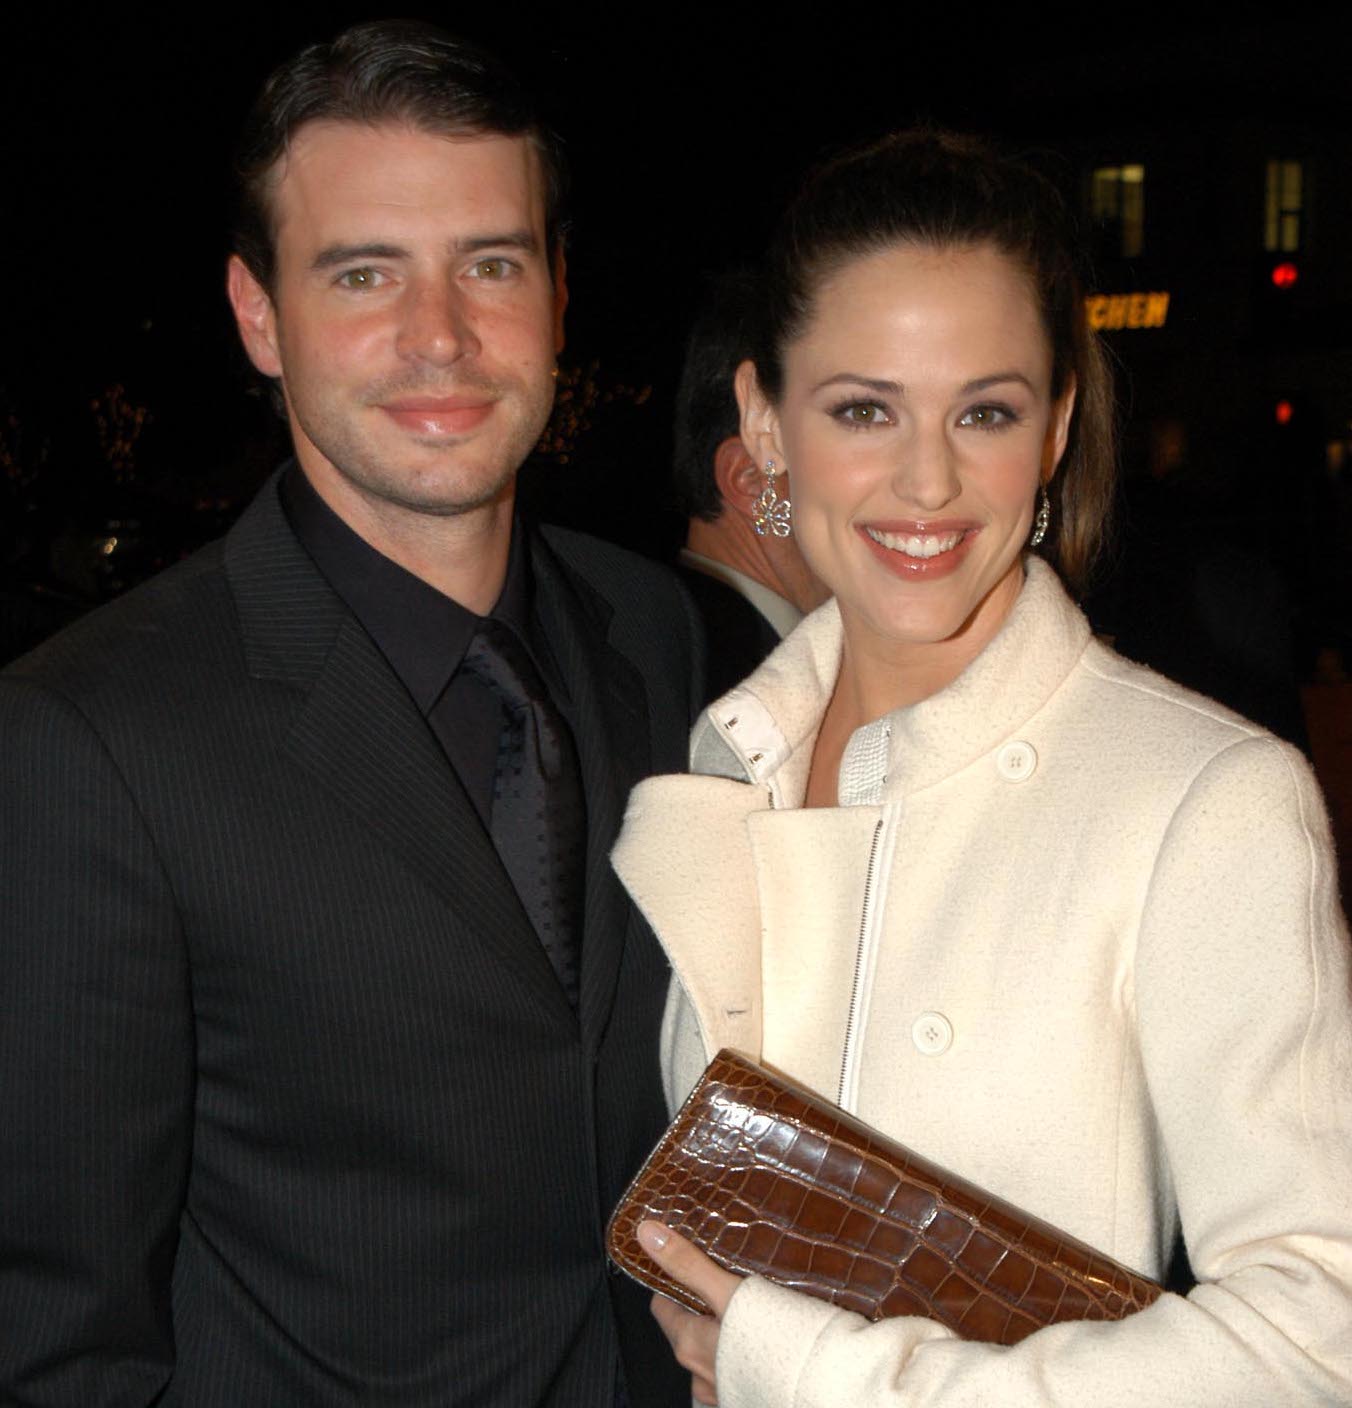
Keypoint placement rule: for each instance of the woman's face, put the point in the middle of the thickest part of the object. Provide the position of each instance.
(915, 424)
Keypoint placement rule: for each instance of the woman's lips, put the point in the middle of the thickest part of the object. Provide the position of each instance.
(923, 550)
(431, 415)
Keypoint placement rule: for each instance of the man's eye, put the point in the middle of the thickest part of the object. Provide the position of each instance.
(492, 268)
(359, 279)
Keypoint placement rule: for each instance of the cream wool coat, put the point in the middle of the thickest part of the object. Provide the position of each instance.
(1099, 967)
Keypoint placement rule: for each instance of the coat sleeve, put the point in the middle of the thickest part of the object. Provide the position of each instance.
(1244, 1016)
(96, 1071)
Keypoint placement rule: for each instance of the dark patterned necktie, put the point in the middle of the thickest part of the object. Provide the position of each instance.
(539, 821)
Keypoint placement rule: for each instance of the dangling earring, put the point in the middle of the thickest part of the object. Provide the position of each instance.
(1044, 517)
(772, 512)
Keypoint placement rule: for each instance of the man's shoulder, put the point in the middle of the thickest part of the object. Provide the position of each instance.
(184, 622)
(615, 572)
(159, 623)
(737, 637)
(642, 594)
(643, 611)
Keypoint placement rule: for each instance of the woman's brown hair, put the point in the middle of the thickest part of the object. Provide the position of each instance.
(943, 191)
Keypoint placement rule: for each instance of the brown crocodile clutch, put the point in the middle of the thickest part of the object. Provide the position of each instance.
(771, 1180)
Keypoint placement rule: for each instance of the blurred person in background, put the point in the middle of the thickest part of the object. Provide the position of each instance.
(740, 563)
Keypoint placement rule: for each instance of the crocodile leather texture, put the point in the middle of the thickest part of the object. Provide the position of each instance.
(772, 1180)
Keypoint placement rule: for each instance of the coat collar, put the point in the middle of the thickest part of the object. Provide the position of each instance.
(691, 845)
(765, 729)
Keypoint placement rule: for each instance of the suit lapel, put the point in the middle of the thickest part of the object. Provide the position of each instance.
(609, 713)
(361, 737)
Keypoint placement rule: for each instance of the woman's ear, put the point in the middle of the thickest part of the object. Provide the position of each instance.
(1058, 431)
(760, 423)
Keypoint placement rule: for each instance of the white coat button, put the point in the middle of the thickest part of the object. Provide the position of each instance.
(1016, 762)
(932, 1033)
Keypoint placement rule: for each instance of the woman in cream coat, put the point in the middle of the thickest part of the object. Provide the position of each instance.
(1052, 921)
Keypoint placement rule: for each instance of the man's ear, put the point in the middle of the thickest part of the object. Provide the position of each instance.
(735, 474)
(255, 317)
(760, 422)
(560, 297)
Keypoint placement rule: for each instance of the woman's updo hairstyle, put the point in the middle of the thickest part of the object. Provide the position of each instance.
(941, 191)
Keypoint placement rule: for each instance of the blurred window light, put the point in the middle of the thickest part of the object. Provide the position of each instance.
(1284, 275)
(1117, 206)
(1283, 205)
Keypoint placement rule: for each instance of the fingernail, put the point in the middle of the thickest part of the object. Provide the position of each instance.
(652, 1236)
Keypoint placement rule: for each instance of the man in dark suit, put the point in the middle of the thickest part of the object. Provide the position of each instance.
(740, 563)
(328, 1036)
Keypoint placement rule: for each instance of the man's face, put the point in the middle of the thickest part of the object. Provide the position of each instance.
(413, 319)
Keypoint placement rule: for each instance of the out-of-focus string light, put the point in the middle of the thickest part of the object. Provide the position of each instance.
(581, 391)
(120, 425)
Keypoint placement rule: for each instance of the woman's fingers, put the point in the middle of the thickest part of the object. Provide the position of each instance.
(684, 1262)
(693, 1338)
(694, 1342)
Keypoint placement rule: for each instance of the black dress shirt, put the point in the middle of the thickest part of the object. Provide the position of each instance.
(424, 634)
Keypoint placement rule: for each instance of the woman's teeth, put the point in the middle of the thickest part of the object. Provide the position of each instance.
(915, 544)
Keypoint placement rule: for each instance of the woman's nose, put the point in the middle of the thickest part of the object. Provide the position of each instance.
(926, 474)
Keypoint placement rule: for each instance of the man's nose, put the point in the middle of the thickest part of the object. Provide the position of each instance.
(437, 326)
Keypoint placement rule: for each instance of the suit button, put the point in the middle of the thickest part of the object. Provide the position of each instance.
(1016, 762)
(932, 1033)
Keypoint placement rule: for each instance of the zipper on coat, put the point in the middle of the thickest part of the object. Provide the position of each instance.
(868, 930)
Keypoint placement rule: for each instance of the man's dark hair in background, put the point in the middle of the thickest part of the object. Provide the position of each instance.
(751, 586)
(707, 414)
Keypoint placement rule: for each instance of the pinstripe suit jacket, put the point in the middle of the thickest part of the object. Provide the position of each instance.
(292, 1108)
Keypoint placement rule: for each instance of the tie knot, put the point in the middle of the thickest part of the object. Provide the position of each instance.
(499, 658)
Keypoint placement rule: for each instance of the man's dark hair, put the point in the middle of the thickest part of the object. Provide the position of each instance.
(386, 71)
(706, 408)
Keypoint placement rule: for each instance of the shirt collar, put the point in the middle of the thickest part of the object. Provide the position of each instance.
(422, 632)
(782, 615)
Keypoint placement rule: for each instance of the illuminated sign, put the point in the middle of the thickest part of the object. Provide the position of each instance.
(1109, 311)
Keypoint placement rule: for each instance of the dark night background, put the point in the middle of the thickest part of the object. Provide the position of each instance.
(130, 429)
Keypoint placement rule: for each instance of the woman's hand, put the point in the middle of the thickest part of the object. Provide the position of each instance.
(694, 1338)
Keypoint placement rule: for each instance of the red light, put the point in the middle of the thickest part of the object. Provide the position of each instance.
(1284, 412)
(1284, 275)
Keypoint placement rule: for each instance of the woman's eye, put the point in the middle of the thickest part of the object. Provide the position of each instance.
(987, 417)
(359, 279)
(862, 413)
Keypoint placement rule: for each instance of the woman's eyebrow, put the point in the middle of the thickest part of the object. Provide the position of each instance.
(982, 383)
(884, 388)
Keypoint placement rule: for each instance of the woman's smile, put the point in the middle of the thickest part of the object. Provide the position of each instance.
(917, 422)
(919, 555)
